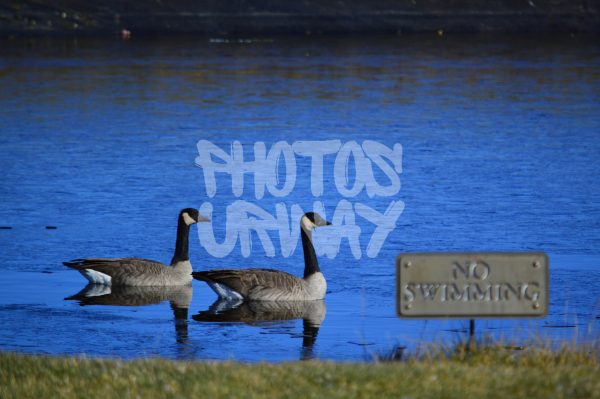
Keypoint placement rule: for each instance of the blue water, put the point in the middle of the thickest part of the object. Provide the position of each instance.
(501, 149)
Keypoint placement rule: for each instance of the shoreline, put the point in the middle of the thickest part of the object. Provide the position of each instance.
(267, 17)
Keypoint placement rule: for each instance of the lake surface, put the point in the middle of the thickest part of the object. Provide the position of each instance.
(500, 144)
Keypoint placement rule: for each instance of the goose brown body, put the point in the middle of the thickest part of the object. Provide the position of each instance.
(134, 271)
(144, 272)
(264, 284)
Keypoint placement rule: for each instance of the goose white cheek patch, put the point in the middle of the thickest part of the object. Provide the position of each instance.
(307, 225)
(188, 219)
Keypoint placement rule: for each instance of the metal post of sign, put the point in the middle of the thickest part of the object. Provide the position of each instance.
(471, 329)
(471, 334)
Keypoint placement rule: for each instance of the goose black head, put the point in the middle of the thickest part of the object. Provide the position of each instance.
(312, 220)
(191, 216)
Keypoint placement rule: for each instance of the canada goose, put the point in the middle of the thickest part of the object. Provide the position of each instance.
(144, 272)
(269, 284)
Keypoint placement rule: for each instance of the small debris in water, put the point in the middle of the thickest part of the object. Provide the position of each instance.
(361, 343)
(560, 326)
(51, 227)
(5, 227)
(47, 271)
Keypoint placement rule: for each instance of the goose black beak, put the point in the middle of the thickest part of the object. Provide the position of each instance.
(203, 219)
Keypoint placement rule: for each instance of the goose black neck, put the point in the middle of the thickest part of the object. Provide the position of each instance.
(182, 243)
(311, 265)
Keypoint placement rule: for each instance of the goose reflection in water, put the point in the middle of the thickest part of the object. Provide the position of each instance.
(178, 296)
(259, 313)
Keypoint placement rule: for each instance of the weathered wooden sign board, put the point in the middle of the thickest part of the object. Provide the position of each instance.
(472, 285)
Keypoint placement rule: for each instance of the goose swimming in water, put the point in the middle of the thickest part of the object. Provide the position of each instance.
(144, 272)
(269, 284)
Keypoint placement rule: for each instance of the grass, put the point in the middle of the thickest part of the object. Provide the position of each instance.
(492, 372)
